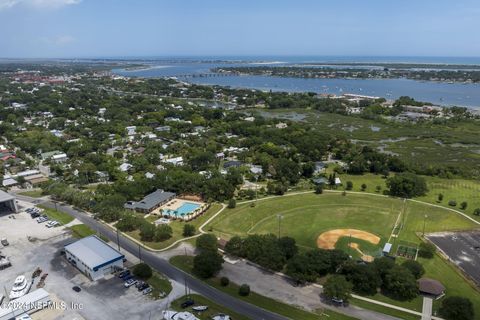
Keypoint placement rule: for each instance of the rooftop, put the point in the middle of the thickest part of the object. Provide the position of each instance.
(5, 196)
(150, 201)
(93, 252)
(430, 286)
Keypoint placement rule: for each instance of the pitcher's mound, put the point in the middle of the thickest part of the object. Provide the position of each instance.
(327, 240)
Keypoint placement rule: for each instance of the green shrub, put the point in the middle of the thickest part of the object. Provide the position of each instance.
(224, 281)
(244, 290)
(142, 270)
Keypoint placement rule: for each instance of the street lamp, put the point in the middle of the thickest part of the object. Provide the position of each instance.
(280, 217)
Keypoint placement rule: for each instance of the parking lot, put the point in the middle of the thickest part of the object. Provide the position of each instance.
(462, 248)
(33, 245)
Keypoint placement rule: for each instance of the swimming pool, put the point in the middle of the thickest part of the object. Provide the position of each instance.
(183, 210)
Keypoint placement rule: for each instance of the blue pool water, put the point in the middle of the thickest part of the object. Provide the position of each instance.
(183, 210)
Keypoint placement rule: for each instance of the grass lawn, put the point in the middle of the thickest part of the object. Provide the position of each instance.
(177, 228)
(186, 262)
(452, 189)
(159, 284)
(81, 231)
(53, 214)
(375, 307)
(213, 308)
(33, 193)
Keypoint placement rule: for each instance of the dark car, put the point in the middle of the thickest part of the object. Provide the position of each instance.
(124, 274)
(127, 277)
(76, 289)
(187, 303)
(143, 286)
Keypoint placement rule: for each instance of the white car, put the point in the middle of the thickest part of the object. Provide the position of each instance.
(130, 283)
(52, 223)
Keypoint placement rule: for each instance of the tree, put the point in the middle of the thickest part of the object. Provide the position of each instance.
(364, 278)
(383, 265)
(318, 189)
(207, 264)
(476, 212)
(235, 246)
(426, 250)
(143, 271)
(232, 203)
(407, 185)
(400, 283)
(147, 231)
(163, 232)
(207, 242)
(244, 290)
(440, 197)
(337, 287)
(452, 203)
(224, 281)
(288, 247)
(349, 185)
(188, 230)
(463, 205)
(415, 268)
(378, 188)
(364, 187)
(300, 270)
(457, 308)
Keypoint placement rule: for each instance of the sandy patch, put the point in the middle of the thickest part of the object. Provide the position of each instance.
(327, 240)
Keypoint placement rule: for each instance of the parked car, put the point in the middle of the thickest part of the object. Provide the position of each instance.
(143, 286)
(147, 290)
(34, 215)
(187, 303)
(4, 242)
(124, 274)
(129, 283)
(42, 219)
(139, 283)
(76, 289)
(128, 277)
(52, 223)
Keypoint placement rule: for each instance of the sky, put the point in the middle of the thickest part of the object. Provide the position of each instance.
(146, 28)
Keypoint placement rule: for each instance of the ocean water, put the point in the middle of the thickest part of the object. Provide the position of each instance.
(446, 94)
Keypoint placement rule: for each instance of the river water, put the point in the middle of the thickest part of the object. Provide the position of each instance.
(447, 94)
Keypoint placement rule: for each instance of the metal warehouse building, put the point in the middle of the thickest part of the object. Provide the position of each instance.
(7, 203)
(94, 257)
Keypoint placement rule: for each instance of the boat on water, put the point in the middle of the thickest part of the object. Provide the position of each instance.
(20, 287)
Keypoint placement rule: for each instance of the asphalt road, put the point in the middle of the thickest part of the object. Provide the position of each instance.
(163, 266)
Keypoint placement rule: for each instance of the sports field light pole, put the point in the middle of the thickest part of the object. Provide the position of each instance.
(424, 221)
(280, 217)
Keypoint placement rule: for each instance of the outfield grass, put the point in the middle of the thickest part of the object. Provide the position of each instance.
(186, 263)
(213, 308)
(62, 217)
(177, 228)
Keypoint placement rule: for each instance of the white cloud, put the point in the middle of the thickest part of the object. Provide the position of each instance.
(5, 4)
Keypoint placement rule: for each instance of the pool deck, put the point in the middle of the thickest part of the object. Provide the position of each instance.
(175, 204)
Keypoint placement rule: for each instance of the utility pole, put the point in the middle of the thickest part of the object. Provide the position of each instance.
(424, 222)
(118, 240)
(280, 217)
